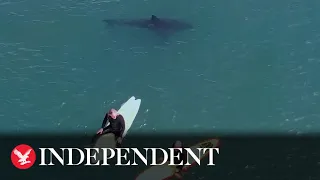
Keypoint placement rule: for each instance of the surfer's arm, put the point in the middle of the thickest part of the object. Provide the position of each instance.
(123, 125)
(105, 121)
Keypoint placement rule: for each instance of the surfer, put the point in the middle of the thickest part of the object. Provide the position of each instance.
(116, 126)
(182, 157)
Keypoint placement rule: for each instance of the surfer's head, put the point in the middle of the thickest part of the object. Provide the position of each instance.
(113, 113)
(177, 144)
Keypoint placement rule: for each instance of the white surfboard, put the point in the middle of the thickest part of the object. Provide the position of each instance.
(129, 111)
(165, 171)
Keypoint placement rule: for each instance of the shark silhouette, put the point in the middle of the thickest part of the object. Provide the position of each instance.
(162, 26)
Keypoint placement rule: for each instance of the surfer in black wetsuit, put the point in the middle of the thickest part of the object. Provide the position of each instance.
(182, 155)
(177, 160)
(116, 126)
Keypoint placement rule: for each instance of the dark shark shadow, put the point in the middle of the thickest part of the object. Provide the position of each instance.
(163, 27)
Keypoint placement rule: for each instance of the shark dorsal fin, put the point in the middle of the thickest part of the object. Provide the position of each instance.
(154, 18)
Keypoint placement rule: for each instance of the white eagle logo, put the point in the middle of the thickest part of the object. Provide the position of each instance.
(22, 158)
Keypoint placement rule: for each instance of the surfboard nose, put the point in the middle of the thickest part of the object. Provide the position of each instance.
(129, 111)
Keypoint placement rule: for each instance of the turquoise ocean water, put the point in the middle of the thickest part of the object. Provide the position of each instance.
(248, 66)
